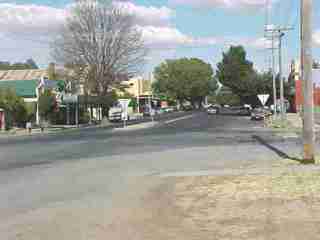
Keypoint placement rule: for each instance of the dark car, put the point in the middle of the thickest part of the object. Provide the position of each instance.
(244, 111)
(259, 114)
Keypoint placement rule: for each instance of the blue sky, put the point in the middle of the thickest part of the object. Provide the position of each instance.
(175, 28)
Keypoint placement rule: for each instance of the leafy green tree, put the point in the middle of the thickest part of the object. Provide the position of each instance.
(226, 98)
(14, 106)
(29, 64)
(237, 73)
(46, 104)
(5, 65)
(61, 85)
(184, 79)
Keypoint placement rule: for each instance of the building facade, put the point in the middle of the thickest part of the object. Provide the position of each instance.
(296, 73)
(28, 84)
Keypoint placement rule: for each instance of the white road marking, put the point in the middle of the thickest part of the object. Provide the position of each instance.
(178, 119)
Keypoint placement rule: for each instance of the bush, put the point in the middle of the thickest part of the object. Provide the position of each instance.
(58, 117)
(21, 115)
(31, 108)
(15, 108)
(46, 104)
(84, 116)
(8, 120)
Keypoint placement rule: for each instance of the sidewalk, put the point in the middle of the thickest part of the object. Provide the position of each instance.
(295, 121)
(35, 131)
(132, 125)
(49, 130)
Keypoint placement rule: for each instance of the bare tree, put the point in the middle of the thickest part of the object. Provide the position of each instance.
(101, 43)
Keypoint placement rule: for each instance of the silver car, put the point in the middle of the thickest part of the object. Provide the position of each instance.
(212, 110)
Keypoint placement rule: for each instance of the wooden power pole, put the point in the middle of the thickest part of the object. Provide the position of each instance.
(282, 106)
(306, 67)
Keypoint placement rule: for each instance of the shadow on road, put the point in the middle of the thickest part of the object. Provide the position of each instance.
(278, 151)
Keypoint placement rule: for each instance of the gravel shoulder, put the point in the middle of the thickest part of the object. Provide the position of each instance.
(282, 203)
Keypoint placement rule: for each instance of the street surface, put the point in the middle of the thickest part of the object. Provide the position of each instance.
(75, 184)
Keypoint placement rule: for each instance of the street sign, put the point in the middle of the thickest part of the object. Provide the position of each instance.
(263, 98)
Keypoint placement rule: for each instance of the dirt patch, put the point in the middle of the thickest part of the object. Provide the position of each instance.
(282, 206)
(286, 206)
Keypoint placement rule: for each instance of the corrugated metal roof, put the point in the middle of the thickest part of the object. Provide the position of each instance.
(23, 88)
(29, 74)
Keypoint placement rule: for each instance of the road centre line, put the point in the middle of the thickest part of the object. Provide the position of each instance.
(178, 119)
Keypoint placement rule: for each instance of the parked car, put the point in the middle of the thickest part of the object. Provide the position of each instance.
(159, 111)
(212, 110)
(146, 111)
(169, 109)
(207, 106)
(259, 114)
(244, 111)
(187, 108)
(115, 114)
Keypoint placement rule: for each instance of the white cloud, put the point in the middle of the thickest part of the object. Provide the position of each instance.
(30, 19)
(260, 43)
(249, 42)
(163, 36)
(29, 27)
(229, 4)
(35, 22)
(170, 37)
(316, 38)
(148, 15)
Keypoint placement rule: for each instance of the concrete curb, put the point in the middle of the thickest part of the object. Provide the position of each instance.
(37, 132)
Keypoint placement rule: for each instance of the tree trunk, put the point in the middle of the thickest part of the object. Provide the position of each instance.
(200, 102)
(193, 104)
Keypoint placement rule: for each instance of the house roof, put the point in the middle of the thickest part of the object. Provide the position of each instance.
(25, 82)
(23, 88)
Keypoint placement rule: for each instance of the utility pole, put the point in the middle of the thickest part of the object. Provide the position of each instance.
(138, 96)
(150, 99)
(272, 38)
(274, 85)
(282, 107)
(306, 67)
(278, 32)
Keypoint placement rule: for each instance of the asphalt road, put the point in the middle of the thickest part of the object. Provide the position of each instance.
(197, 130)
(97, 165)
